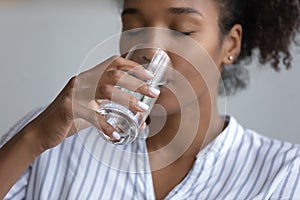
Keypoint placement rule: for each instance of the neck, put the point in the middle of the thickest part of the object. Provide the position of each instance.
(184, 134)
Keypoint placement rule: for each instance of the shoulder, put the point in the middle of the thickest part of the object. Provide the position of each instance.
(269, 148)
(262, 143)
(288, 186)
(289, 151)
(279, 160)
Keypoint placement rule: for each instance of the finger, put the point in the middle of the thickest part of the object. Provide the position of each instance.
(115, 94)
(115, 62)
(96, 119)
(79, 123)
(132, 68)
(137, 71)
(144, 126)
(125, 80)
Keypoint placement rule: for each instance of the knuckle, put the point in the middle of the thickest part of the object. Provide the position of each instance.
(143, 88)
(67, 102)
(133, 100)
(113, 58)
(117, 59)
(138, 68)
(115, 74)
(72, 81)
(105, 89)
(69, 93)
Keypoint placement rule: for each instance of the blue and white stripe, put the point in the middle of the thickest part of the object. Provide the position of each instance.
(238, 164)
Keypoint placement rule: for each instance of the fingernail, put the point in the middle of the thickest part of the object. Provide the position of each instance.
(149, 73)
(154, 91)
(116, 135)
(144, 126)
(143, 105)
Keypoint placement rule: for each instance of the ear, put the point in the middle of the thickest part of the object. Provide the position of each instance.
(232, 44)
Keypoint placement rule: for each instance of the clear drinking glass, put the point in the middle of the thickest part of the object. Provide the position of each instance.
(126, 123)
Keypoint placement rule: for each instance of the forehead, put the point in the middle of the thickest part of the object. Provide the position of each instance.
(163, 5)
(162, 2)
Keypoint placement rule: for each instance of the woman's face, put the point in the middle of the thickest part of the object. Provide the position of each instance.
(198, 44)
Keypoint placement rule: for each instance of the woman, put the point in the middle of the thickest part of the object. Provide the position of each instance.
(218, 160)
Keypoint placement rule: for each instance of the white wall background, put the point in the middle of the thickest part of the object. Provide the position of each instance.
(42, 44)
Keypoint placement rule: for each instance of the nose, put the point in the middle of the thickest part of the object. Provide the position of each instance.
(152, 40)
(147, 40)
(145, 55)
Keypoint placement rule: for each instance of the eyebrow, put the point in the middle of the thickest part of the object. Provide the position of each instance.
(175, 10)
(127, 11)
(184, 10)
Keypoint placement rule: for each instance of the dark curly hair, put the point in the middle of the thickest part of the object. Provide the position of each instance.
(269, 27)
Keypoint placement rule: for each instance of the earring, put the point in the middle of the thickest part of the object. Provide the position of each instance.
(231, 58)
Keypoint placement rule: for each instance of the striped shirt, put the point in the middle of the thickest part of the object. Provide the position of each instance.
(238, 164)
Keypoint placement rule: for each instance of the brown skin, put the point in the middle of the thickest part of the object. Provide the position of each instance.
(205, 31)
(69, 113)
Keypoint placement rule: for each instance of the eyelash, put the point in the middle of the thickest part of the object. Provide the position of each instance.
(183, 33)
(187, 33)
(136, 32)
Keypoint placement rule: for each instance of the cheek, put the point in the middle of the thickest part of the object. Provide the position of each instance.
(209, 39)
(215, 54)
(211, 44)
(196, 77)
(187, 85)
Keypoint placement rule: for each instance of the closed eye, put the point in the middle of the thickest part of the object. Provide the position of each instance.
(187, 33)
(183, 33)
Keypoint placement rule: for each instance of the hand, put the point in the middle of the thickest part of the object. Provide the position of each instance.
(74, 108)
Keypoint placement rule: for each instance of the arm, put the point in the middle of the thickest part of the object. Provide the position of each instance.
(15, 158)
(72, 110)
